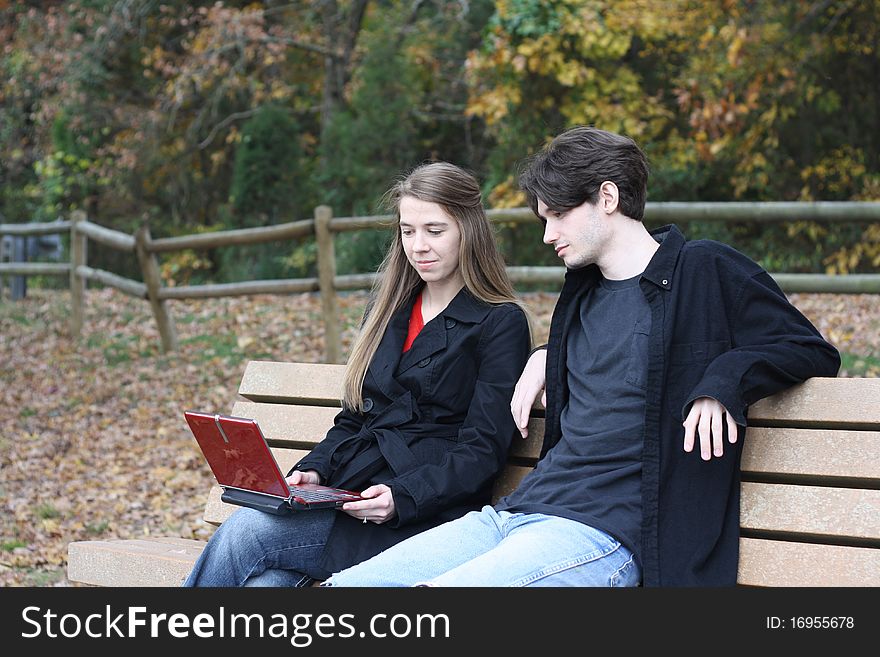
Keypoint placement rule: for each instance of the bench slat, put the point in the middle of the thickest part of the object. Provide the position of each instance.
(815, 452)
(851, 513)
(162, 561)
(530, 447)
(319, 384)
(289, 426)
(782, 563)
(509, 480)
(829, 402)
(167, 561)
(816, 510)
(304, 426)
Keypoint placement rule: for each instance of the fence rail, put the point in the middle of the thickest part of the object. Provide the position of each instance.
(680, 212)
(324, 225)
(106, 236)
(293, 230)
(35, 268)
(50, 228)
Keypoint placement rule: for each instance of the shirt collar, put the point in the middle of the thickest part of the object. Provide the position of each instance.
(660, 268)
(662, 265)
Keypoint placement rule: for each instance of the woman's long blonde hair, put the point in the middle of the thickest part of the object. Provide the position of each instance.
(482, 267)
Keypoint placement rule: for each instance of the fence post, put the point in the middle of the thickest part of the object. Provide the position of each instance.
(78, 257)
(326, 274)
(153, 281)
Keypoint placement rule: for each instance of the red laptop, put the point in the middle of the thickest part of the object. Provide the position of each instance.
(247, 471)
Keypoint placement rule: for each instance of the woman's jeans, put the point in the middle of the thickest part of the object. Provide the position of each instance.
(489, 548)
(253, 548)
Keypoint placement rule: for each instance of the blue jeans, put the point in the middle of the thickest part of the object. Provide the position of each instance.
(490, 548)
(253, 548)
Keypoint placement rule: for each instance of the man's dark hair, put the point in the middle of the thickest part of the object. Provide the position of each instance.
(570, 169)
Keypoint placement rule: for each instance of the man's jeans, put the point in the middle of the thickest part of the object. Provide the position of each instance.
(253, 548)
(488, 548)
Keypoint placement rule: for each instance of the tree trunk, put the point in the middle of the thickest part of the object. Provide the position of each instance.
(340, 36)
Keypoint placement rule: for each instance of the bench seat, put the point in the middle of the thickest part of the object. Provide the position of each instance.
(810, 494)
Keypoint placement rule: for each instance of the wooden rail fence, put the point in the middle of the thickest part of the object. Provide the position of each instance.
(323, 227)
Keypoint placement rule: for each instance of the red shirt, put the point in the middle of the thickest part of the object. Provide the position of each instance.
(416, 323)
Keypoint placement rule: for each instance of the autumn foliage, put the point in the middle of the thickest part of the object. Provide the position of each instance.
(140, 111)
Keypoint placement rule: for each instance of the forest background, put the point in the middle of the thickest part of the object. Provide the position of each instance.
(204, 116)
(201, 116)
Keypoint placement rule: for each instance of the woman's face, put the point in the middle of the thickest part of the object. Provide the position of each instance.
(431, 240)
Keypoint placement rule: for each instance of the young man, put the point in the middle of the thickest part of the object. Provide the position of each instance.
(657, 348)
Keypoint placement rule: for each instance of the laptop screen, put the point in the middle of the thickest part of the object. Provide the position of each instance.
(237, 453)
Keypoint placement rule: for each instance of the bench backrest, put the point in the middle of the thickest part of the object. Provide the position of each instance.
(811, 468)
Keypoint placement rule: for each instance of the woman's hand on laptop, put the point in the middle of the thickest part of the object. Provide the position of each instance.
(303, 477)
(377, 505)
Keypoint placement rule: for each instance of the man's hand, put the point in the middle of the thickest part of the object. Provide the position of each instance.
(531, 382)
(303, 477)
(378, 506)
(706, 418)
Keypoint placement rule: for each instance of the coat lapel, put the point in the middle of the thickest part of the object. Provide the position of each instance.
(433, 338)
(389, 359)
(388, 353)
(430, 340)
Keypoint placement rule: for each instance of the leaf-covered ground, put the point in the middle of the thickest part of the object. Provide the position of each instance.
(93, 443)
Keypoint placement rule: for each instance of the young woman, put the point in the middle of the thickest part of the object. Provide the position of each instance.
(425, 425)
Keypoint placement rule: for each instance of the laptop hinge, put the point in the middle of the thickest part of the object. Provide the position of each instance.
(220, 428)
(259, 501)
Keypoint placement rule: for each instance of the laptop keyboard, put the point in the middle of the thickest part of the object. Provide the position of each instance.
(319, 495)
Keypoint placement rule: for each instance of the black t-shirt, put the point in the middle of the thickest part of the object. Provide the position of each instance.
(593, 474)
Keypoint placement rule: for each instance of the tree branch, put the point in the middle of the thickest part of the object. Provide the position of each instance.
(235, 116)
(355, 21)
(310, 47)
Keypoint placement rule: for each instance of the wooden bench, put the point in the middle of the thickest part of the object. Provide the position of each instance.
(810, 493)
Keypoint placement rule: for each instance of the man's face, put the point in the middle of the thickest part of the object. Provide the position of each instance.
(578, 235)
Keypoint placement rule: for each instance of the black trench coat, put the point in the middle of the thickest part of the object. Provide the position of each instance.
(436, 427)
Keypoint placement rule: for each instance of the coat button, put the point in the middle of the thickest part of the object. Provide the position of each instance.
(450, 322)
(424, 362)
(368, 405)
